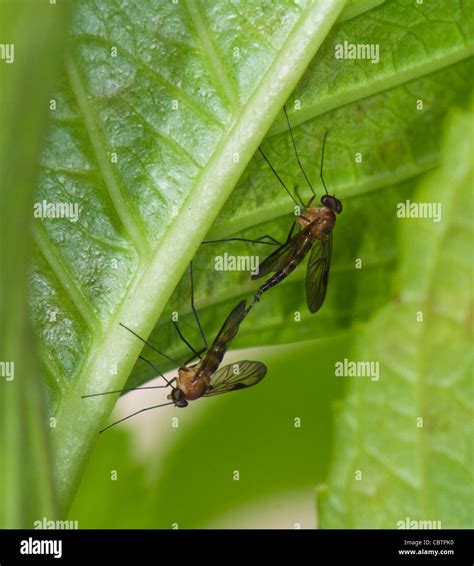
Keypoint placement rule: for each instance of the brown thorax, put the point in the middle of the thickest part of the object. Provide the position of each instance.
(192, 383)
(321, 218)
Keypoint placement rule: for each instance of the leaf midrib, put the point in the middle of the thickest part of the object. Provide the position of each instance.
(77, 423)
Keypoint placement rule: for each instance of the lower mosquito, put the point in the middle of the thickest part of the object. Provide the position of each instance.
(205, 378)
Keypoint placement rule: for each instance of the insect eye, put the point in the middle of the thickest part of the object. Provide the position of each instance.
(177, 395)
(332, 202)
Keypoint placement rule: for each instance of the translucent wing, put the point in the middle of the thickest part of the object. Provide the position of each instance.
(280, 257)
(236, 376)
(223, 339)
(318, 272)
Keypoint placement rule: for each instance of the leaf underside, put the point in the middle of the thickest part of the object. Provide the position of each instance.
(161, 107)
(406, 437)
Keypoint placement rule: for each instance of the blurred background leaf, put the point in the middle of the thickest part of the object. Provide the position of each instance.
(26, 477)
(410, 433)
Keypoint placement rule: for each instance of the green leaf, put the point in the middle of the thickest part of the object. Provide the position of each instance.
(161, 107)
(409, 434)
(354, 8)
(414, 40)
(26, 482)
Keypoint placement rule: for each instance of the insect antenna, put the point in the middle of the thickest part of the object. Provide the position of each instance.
(122, 390)
(201, 351)
(296, 152)
(136, 413)
(322, 161)
(168, 383)
(183, 339)
(196, 316)
(278, 177)
(151, 345)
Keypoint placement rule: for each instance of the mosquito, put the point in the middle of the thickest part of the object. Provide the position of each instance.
(316, 225)
(205, 378)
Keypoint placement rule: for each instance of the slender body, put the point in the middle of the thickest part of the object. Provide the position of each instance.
(317, 224)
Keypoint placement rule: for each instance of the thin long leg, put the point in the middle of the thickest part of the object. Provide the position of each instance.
(299, 197)
(278, 177)
(296, 152)
(290, 233)
(272, 242)
(193, 357)
(308, 204)
(126, 389)
(137, 413)
(196, 316)
(183, 339)
(155, 368)
(150, 345)
(322, 161)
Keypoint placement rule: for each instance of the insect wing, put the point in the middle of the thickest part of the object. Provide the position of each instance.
(318, 273)
(280, 257)
(223, 339)
(236, 376)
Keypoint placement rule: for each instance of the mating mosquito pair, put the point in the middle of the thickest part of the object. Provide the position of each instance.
(205, 378)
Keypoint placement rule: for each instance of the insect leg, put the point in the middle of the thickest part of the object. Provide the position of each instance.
(272, 241)
(278, 177)
(296, 152)
(290, 233)
(322, 161)
(156, 369)
(196, 316)
(201, 351)
(309, 203)
(183, 339)
(299, 197)
(150, 345)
